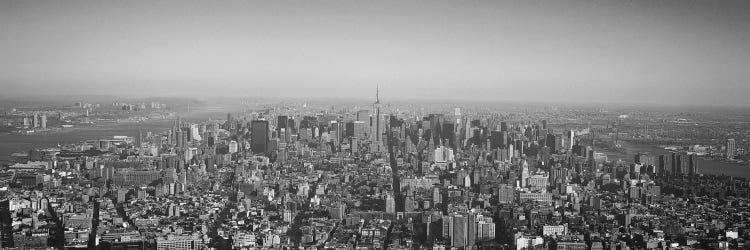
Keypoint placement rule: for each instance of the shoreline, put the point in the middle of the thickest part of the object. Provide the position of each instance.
(14, 142)
(708, 165)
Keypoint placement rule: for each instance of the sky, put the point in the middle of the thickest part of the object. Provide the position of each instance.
(627, 51)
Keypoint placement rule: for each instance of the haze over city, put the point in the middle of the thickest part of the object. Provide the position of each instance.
(654, 52)
(389, 125)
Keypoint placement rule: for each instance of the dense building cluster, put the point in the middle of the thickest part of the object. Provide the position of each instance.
(381, 177)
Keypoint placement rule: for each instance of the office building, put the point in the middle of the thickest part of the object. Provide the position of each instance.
(375, 120)
(448, 135)
(644, 159)
(233, 147)
(551, 142)
(36, 120)
(390, 204)
(538, 197)
(259, 136)
(180, 138)
(228, 122)
(664, 165)
(731, 148)
(6, 225)
(359, 129)
(131, 177)
(471, 229)
(195, 132)
(570, 140)
(538, 182)
(43, 119)
(524, 174)
(281, 125)
(443, 155)
(682, 164)
(459, 231)
(485, 228)
(554, 230)
(180, 242)
(693, 164)
(507, 194)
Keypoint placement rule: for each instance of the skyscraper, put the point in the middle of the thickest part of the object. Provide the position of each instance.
(571, 140)
(229, 123)
(504, 140)
(363, 115)
(551, 142)
(375, 120)
(195, 132)
(259, 136)
(485, 228)
(682, 164)
(731, 148)
(43, 117)
(471, 229)
(437, 196)
(468, 132)
(674, 164)
(496, 139)
(291, 126)
(457, 116)
(524, 173)
(36, 120)
(359, 130)
(179, 138)
(233, 146)
(459, 231)
(693, 166)
(645, 159)
(449, 134)
(6, 227)
(664, 166)
(436, 127)
(281, 124)
(390, 204)
(507, 194)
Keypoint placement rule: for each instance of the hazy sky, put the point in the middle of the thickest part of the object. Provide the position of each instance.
(655, 51)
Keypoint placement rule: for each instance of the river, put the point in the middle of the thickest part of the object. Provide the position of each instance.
(705, 166)
(11, 143)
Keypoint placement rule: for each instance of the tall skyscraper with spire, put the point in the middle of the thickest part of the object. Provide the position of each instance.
(377, 127)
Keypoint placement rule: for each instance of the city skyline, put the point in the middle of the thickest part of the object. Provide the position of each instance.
(399, 125)
(648, 52)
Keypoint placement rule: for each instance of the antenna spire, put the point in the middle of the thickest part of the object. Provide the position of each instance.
(377, 93)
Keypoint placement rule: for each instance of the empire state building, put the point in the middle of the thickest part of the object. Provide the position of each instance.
(376, 123)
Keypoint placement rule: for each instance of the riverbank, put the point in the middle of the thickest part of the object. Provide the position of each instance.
(12, 142)
(705, 165)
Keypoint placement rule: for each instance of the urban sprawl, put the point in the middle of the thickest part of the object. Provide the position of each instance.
(375, 176)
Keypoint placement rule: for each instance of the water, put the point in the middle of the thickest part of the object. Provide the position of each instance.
(12, 143)
(631, 149)
(706, 166)
(726, 168)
